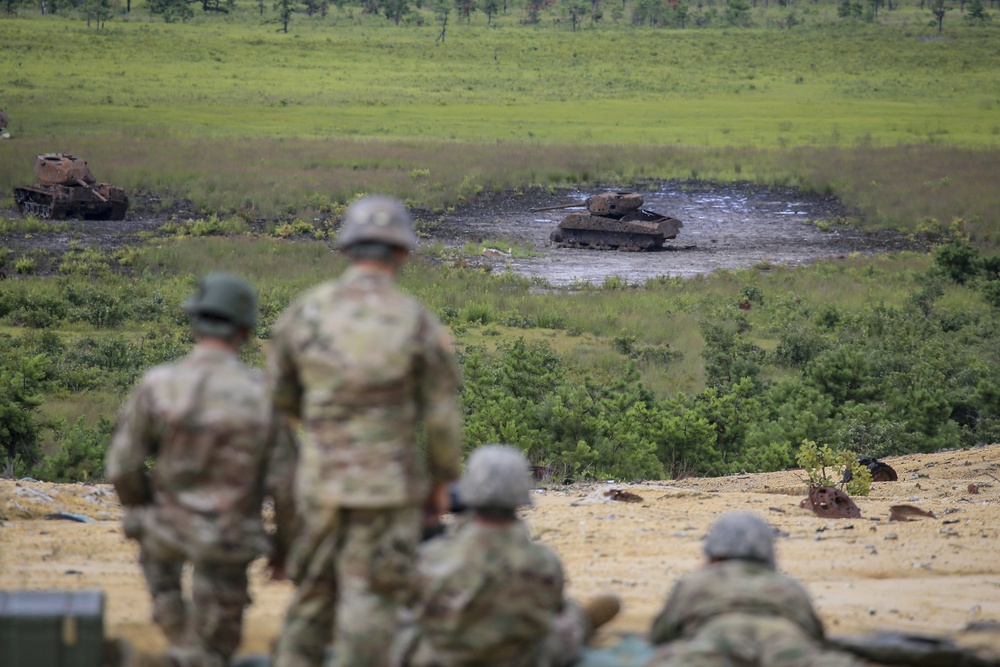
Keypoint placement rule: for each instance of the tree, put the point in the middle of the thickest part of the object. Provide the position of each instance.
(977, 13)
(575, 9)
(285, 9)
(321, 7)
(596, 13)
(10, 6)
(442, 10)
(98, 11)
(171, 10)
(680, 15)
(738, 13)
(394, 10)
(533, 9)
(20, 398)
(465, 8)
(217, 6)
(938, 9)
(850, 10)
(489, 7)
(650, 12)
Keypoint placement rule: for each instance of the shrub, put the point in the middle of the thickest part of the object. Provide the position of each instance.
(20, 397)
(958, 260)
(24, 265)
(815, 459)
(81, 453)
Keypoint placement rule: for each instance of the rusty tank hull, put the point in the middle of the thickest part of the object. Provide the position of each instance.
(67, 189)
(614, 221)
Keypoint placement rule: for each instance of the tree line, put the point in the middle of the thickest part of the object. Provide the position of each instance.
(676, 14)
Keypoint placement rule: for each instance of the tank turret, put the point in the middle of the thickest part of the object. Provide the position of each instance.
(67, 189)
(613, 220)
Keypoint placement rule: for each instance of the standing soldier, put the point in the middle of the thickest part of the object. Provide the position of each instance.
(738, 611)
(362, 366)
(206, 424)
(490, 596)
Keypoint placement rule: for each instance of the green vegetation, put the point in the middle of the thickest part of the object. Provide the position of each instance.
(259, 138)
(229, 115)
(704, 376)
(815, 459)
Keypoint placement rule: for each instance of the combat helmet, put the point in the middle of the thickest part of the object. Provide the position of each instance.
(222, 304)
(741, 536)
(496, 477)
(377, 219)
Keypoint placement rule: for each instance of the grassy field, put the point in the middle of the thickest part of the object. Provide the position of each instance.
(832, 85)
(234, 116)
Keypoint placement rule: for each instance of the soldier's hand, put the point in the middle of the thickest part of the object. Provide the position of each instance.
(437, 502)
(132, 523)
(276, 567)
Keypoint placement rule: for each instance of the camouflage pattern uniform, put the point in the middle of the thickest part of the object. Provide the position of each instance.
(362, 366)
(489, 595)
(207, 422)
(738, 611)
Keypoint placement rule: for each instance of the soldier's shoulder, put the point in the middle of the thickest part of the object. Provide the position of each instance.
(249, 377)
(316, 294)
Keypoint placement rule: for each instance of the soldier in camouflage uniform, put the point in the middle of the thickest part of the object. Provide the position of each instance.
(737, 611)
(207, 423)
(363, 367)
(489, 595)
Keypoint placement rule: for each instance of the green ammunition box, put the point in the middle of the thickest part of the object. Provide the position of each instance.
(52, 629)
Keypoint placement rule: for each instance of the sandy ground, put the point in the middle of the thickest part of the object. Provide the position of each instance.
(932, 575)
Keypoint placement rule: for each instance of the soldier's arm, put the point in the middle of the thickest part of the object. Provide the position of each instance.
(799, 609)
(282, 372)
(669, 623)
(438, 387)
(132, 443)
(280, 483)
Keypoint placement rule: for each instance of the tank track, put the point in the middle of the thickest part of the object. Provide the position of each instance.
(31, 203)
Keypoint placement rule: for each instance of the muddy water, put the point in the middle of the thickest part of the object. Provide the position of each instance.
(724, 228)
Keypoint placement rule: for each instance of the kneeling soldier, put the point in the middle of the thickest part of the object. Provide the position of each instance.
(488, 594)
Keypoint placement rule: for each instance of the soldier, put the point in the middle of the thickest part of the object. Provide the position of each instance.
(737, 610)
(206, 423)
(363, 366)
(489, 595)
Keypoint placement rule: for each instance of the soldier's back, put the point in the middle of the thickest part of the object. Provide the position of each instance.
(489, 596)
(213, 428)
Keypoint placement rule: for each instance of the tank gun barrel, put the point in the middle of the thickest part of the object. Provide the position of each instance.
(558, 206)
(92, 190)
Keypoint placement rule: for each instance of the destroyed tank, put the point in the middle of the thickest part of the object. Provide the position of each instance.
(67, 189)
(613, 221)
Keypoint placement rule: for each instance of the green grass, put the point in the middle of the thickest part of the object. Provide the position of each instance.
(835, 85)
(223, 114)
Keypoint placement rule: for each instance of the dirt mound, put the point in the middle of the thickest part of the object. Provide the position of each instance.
(931, 575)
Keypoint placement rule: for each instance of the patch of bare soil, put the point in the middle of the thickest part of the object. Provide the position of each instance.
(725, 227)
(47, 246)
(931, 575)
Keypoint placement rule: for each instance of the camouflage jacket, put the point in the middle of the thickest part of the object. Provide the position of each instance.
(364, 366)
(488, 595)
(733, 586)
(207, 422)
